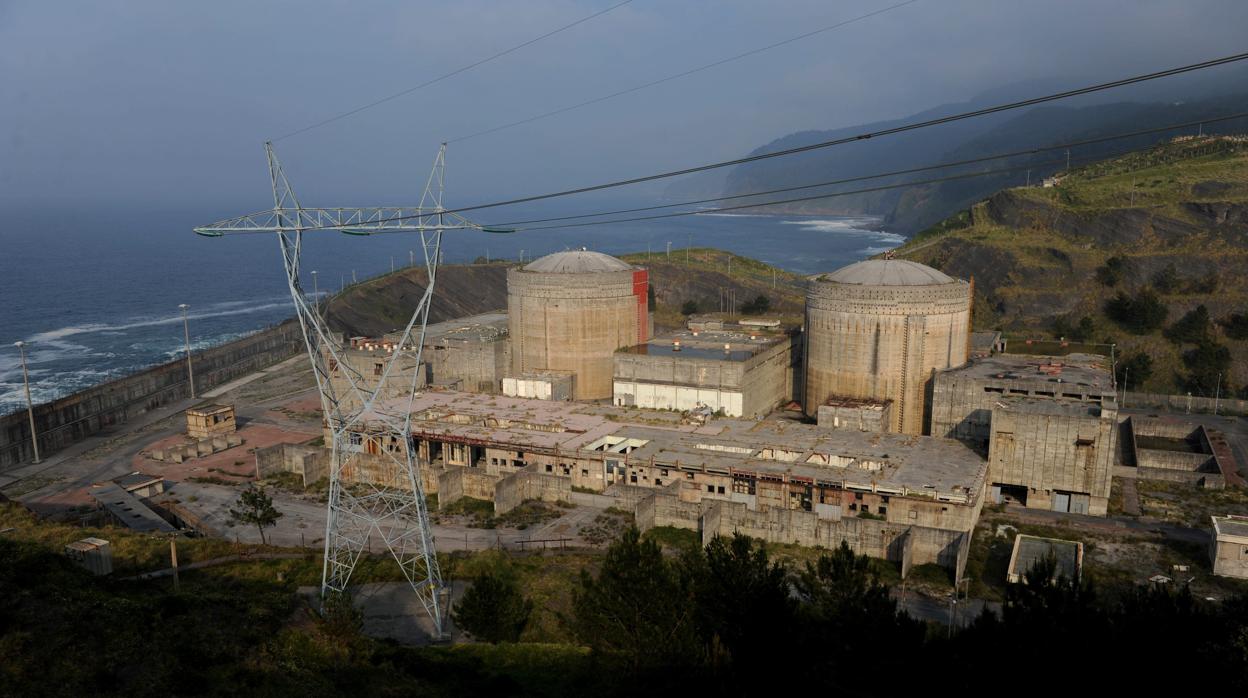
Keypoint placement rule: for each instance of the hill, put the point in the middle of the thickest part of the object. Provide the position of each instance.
(909, 210)
(1146, 251)
(377, 306)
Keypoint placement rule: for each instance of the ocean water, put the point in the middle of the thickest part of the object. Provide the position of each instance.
(95, 293)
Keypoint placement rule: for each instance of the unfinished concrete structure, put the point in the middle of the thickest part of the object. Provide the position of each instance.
(1030, 551)
(1228, 550)
(911, 499)
(541, 385)
(1174, 450)
(570, 311)
(1055, 454)
(877, 330)
(363, 360)
(737, 373)
(858, 415)
(207, 421)
(963, 398)
(470, 354)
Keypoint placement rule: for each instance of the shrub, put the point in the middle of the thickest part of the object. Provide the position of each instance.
(1235, 325)
(1192, 328)
(1138, 314)
(689, 308)
(493, 609)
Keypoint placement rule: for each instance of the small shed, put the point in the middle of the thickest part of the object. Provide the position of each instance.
(207, 421)
(1229, 547)
(141, 485)
(92, 554)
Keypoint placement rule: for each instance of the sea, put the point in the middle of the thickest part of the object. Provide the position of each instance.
(94, 293)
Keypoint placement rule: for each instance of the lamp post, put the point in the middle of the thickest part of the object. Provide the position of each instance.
(30, 407)
(186, 335)
(316, 296)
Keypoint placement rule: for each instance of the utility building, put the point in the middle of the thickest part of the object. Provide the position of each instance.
(570, 311)
(470, 354)
(877, 330)
(740, 374)
(1229, 547)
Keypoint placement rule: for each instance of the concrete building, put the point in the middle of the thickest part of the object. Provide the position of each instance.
(1229, 548)
(470, 354)
(92, 554)
(737, 373)
(541, 385)
(570, 311)
(141, 484)
(910, 499)
(877, 330)
(362, 362)
(1053, 453)
(963, 398)
(857, 415)
(207, 421)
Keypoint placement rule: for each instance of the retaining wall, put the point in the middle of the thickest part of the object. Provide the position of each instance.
(73, 418)
(456, 483)
(309, 462)
(513, 490)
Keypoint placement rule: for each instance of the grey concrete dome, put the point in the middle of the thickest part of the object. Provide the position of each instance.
(577, 262)
(888, 272)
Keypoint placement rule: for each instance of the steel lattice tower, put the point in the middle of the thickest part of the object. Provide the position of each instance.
(396, 512)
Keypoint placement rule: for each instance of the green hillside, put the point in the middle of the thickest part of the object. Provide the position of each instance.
(1148, 251)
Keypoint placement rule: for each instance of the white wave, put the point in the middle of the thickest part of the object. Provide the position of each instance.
(52, 336)
(849, 226)
(712, 214)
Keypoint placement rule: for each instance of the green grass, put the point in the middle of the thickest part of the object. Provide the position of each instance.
(673, 539)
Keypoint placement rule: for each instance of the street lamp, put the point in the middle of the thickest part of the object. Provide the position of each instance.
(30, 407)
(186, 334)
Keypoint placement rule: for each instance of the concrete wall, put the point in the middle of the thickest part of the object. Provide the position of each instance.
(479, 366)
(456, 483)
(515, 489)
(309, 462)
(883, 343)
(1186, 403)
(872, 417)
(869, 537)
(1172, 460)
(72, 418)
(1230, 558)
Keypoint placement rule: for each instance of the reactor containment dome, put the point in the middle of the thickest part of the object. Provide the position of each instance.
(878, 329)
(570, 311)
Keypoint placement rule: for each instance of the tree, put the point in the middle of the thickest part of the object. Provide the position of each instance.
(847, 613)
(1167, 280)
(255, 507)
(493, 609)
(339, 616)
(1138, 314)
(689, 308)
(1192, 328)
(638, 609)
(1111, 273)
(758, 306)
(1134, 369)
(1207, 368)
(1235, 325)
(743, 600)
(650, 298)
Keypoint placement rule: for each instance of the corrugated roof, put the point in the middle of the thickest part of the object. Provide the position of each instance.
(888, 272)
(577, 262)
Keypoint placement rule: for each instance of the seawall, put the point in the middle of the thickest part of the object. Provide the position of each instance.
(72, 418)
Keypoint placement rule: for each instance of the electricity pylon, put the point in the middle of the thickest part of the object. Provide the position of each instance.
(394, 510)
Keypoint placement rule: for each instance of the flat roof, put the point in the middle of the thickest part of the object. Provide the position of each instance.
(1048, 406)
(209, 409)
(136, 479)
(708, 345)
(486, 327)
(1081, 370)
(129, 510)
(1231, 527)
(889, 463)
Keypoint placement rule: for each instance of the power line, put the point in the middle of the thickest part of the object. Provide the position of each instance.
(884, 187)
(851, 139)
(676, 76)
(453, 73)
(881, 175)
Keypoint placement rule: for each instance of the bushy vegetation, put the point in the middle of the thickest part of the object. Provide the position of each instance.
(1138, 313)
(758, 306)
(1134, 369)
(493, 609)
(1208, 368)
(1235, 325)
(1192, 328)
(1110, 274)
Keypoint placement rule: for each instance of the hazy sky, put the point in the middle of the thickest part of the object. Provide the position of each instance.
(166, 104)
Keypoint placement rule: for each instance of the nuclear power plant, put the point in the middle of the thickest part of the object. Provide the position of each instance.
(875, 332)
(570, 311)
(709, 426)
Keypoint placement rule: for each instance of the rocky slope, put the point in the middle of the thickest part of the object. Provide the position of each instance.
(1171, 221)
